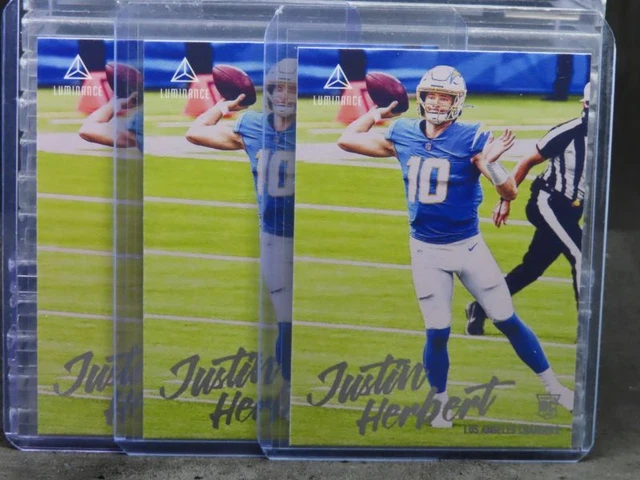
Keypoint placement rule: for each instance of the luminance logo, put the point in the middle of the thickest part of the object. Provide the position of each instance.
(185, 74)
(344, 94)
(78, 71)
(338, 80)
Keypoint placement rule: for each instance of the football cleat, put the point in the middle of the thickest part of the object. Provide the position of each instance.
(439, 420)
(475, 319)
(565, 397)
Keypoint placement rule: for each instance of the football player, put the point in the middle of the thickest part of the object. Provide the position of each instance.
(100, 127)
(554, 208)
(272, 165)
(442, 160)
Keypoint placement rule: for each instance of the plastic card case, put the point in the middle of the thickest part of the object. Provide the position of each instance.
(186, 259)
(56, 257)
(381, 353)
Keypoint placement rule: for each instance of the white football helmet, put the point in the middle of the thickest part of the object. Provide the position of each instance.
(442, 79)
(285, 71)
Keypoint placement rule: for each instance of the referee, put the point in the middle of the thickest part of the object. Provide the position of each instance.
(555, 208)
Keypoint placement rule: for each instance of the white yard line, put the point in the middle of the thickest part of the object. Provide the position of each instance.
(82, 396)
(74, 198)
(83, 316)
(201, 256)
(179, 147)
(217, 321)
(76, 251)
(231, 258)
(253, 206)
(151, 395)
(326, 388)
(420, 333)
(331, 326)
(201, 203)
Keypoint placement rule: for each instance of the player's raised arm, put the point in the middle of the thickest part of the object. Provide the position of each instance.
(358, 138)
(488, 163)
(208, 132)
(99, 127)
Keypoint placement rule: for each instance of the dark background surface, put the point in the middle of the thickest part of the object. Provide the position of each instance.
(616, 454)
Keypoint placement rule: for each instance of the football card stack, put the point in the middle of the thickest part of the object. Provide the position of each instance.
(305, 231)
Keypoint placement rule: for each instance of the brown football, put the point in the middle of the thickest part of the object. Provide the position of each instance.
(384, 89)
(231, 82)
(127, 79)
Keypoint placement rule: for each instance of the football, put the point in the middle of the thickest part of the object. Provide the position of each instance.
(384, 89)
(128, 79)
(231, 82)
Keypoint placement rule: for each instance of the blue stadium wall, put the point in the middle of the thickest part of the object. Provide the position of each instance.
(484, 72)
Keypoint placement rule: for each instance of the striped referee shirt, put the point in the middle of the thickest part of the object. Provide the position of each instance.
(565, 146)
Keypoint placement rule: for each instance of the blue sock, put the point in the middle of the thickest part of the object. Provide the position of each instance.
(524, 342)
(436, 358)
(283, 349)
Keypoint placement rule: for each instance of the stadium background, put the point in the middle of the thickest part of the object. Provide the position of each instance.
(484, 73)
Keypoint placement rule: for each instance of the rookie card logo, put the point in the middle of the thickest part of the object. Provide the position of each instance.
(342, 92)
(184, 74)
(78, 71)
(548, 405)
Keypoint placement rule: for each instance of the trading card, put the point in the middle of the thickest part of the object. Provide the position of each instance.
(438, 227)
(203, 131)
(76, 120)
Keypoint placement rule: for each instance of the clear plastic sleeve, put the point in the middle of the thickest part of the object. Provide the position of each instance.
(185, 228)
(328, 331)
(37, 367)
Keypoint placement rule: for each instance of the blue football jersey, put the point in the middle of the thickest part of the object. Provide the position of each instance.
(135, 125)
(273, 166)
(441, 183)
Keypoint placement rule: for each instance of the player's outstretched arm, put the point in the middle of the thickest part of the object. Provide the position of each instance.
(524, 166)
(357, 137)
(488, 164)
(207, 132)
(99, 127)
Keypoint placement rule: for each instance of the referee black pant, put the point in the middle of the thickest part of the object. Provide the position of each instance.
(557, 233)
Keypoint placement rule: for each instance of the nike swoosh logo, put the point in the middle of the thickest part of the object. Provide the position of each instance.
(474, 246)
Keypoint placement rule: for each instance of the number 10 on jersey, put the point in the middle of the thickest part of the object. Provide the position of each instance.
(276, 169)
(428, 179)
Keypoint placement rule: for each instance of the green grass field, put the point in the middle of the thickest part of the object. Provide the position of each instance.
(359, 314)
(201, 284)
(74, 284)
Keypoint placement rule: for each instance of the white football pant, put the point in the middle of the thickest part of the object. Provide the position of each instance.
(433, 267)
